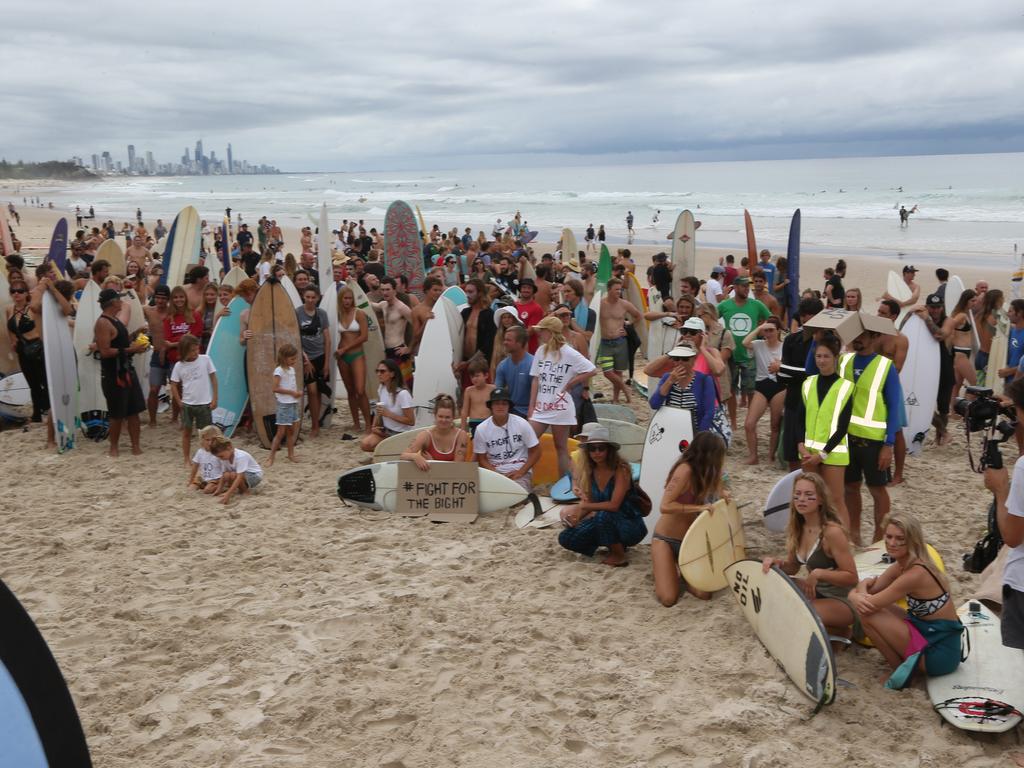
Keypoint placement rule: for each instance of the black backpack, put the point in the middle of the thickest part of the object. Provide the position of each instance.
(987, 548)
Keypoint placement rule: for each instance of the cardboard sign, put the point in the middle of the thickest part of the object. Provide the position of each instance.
(448, 492)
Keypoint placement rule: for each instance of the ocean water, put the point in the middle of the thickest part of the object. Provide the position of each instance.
(970, 207)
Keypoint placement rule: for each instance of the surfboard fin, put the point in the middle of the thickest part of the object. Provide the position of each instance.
(359, 486)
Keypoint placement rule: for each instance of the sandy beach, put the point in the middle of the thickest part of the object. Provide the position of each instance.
(291, 630)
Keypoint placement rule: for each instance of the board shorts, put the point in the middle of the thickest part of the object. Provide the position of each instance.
(769, 388)
(1012, 621)
(318, 371)
(252, 479)
(473, 424)
(124, 395)
(864, 462)
(404, 364)
(938, 641)
(744, 376)
(613, 354)
(287, 414)
(159, 374)
(197, 416)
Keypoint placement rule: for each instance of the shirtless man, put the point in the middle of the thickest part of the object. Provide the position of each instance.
(545, 288)
(276, 235)
(479, 328)
(396, 317)
(100, 271)
(909, 273)
(306, 240)
(613, 353)
(762, 294)
(424, 311)
(158, 368)
(138, 253)
(895, 348)
(200, 277)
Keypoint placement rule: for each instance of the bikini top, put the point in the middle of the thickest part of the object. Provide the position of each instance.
(352, 327)
(20, 323)
(963, 328)
(438, 455)
(926, 607)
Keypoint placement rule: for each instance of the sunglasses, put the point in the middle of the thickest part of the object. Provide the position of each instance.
(19, 290)
(688, 332)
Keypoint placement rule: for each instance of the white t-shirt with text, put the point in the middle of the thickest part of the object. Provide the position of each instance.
(210, 467)
(507, 447)
(554, 405)
(194, 377)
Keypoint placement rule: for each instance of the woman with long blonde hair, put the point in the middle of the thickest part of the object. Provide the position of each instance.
(354, 328)
(557, 368)
(926, 636)
(817, 539)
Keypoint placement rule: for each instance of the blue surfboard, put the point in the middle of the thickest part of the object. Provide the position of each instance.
(58, 252)
(228, 357)
(793, 264)
(168, 247)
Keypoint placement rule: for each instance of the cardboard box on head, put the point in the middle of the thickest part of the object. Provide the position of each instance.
(848, 325)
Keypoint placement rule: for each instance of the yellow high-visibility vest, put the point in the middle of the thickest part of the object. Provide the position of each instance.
(822, 418)
(869, 411)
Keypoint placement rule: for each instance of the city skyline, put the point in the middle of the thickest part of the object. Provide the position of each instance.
(191, 163)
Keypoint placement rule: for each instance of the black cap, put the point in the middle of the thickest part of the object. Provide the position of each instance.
(934, 300)
(108, 295)
(162, 290)
(499, 394)
(909, 268)
(527, 281)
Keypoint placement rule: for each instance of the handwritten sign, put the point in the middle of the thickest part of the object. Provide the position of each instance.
(449, 492)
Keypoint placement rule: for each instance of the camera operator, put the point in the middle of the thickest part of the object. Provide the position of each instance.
(1009, 497)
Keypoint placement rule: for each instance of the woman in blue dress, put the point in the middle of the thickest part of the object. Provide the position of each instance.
(606, 515)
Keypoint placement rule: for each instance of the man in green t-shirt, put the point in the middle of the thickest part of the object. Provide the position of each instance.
(741, 314)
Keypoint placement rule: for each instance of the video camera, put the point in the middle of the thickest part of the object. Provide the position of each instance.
(980, 412)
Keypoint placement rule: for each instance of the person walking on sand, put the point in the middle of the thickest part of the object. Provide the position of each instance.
(288, 395)
(629, 224)
(118, 380)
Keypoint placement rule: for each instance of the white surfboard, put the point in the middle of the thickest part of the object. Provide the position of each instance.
(920, 381)
(614, 411)
(185, 248)
(91, 401)
(684, 252)
(668, 434)
(8, 359)
(61, 373)
(998, 352)
(713, 541)
(110, 252)
(373, 348)
(434, 373)
(776, 508)
(324, 262)
(391, 448)
(292, 291)
(234, 276)
(787, 626)
(985, 693)
(374, 487)
(896, 287)
(655, 328)
(15, 396)
(136, 317)
(329, 304)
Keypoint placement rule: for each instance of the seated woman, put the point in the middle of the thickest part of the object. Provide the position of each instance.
(817, 539)
(925, 636)
(684, 387)
(441, 442)
(395, 412)
(606, 515)
(694, 482)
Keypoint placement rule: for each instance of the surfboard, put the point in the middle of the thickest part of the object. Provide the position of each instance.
(985, 694)
(15, 396)
(787, 626)
(234, 277)
(403, 249)
(998, 353)
(570, 251)
(776, 508)
(91, 402)
(183, 246)
(629, 435)
(8, 359)
(438, 352)
(423, 226)
(684, 252)
(604, 269)
(228, 357)
(456, 296)
(545, 471)
(374, 487)
(136, 317)
(748, 225)
(899, 290)
(58, 252)
(713, 541)
(793, 263)
(273, 324)
(562, 493)
(40, 724)
(292, 291)
(655, 328)
(6, 241)
(324, 260)
(110, 251)
(595, 339)
(614, 411)
(329, 304)
(61, 373)
(668, 434)
(642, 383)
(373, 347)
(632, 292)
(920, 382)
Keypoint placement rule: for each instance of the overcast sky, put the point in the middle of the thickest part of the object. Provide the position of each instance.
(310, 85)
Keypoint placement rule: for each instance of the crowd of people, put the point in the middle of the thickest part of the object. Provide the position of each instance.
(834, 403)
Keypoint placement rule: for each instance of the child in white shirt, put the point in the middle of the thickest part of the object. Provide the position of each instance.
(241, 470)
(193, 389)
(288, 396)
(206, 468)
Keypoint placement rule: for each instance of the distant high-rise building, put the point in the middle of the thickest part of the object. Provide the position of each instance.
(131, 157)
(95, 162)
(199, 152)
(150, 163)
(231, 164)
(108, 164)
